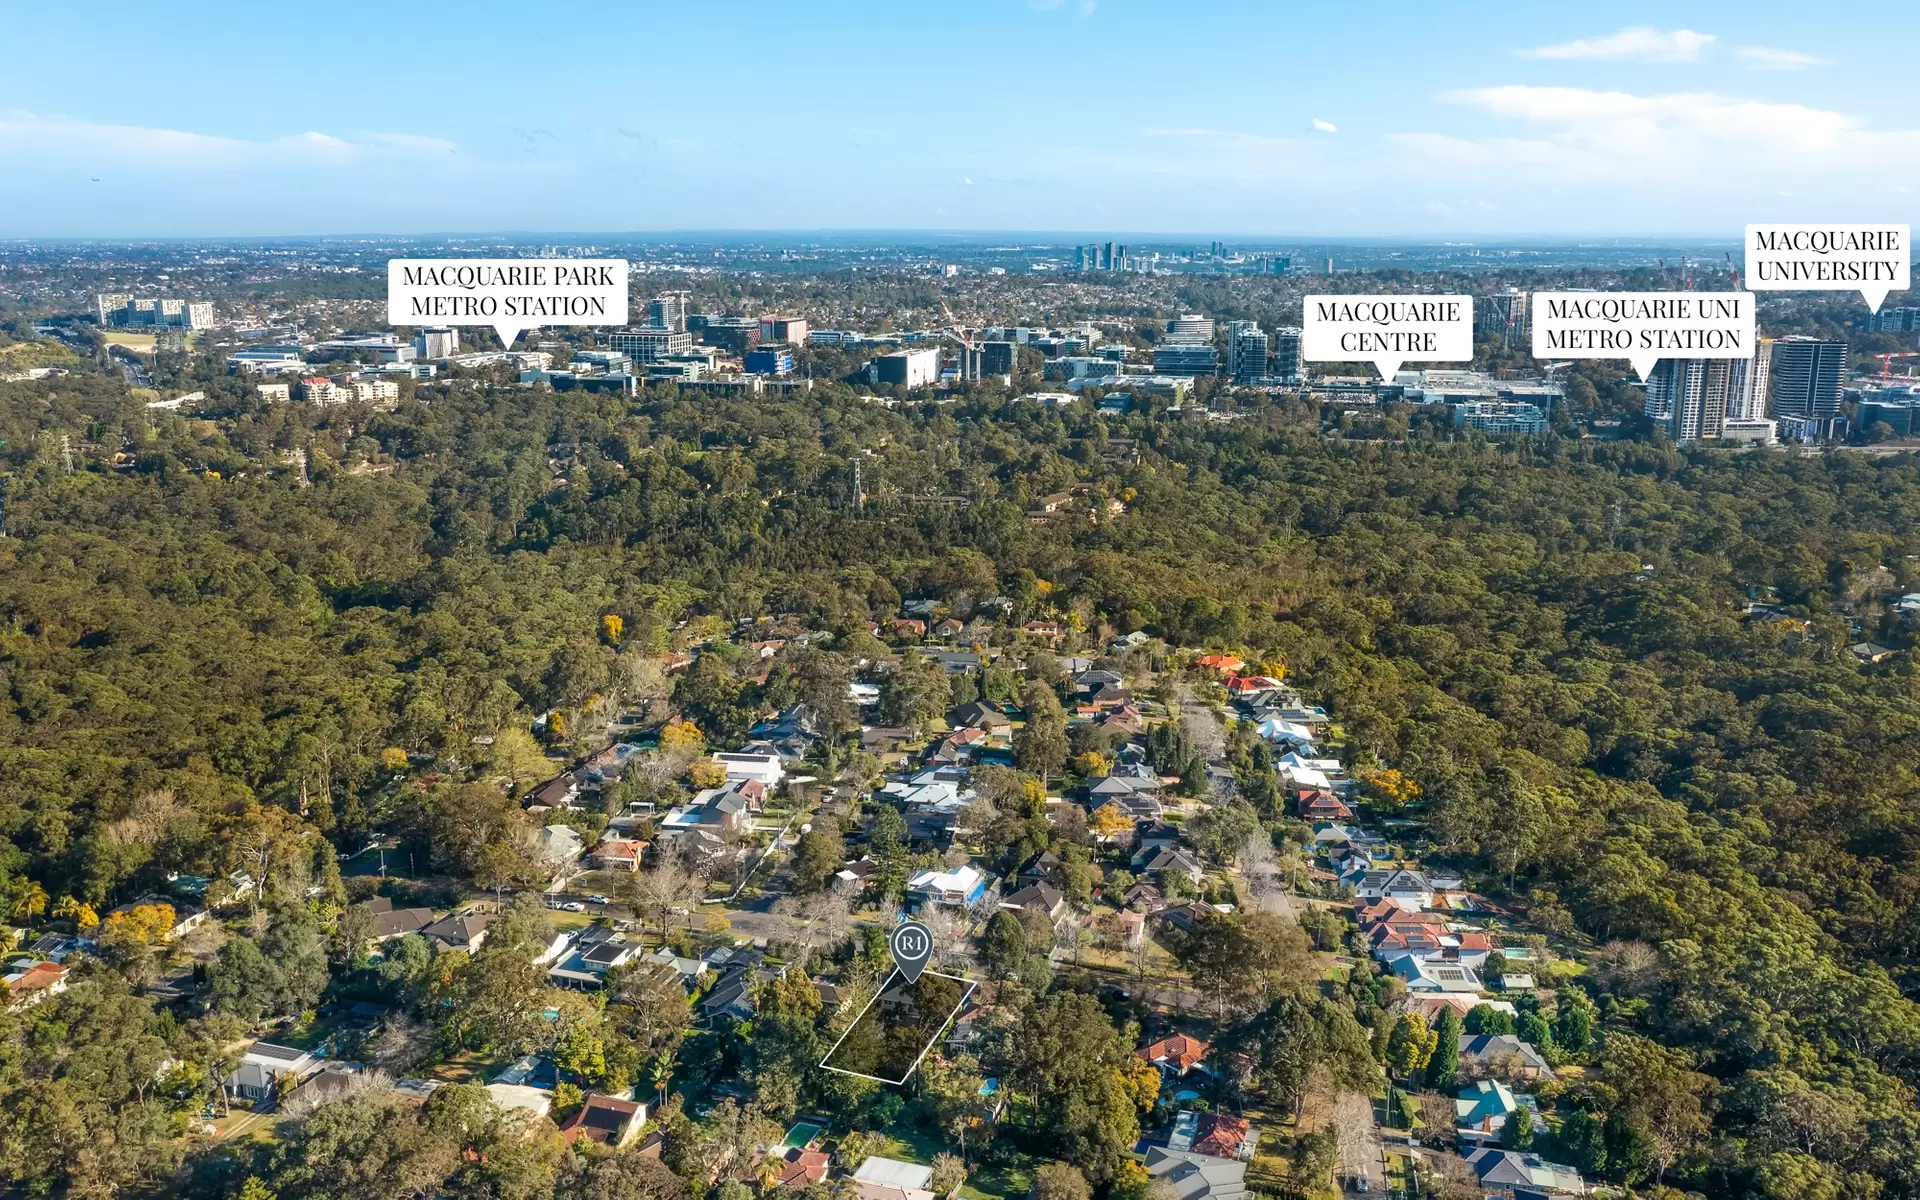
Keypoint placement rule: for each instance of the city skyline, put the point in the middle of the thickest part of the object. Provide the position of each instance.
(1685, 120)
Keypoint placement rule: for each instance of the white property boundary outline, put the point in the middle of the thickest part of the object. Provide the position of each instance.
(925, 1050)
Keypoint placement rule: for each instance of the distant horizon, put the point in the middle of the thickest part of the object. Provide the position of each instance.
(1504, 120)
(1235, 241)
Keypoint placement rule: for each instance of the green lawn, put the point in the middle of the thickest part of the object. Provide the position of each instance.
(999, 1183)
(910, 1143)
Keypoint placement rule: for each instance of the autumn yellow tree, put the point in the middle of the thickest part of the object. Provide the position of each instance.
(612, 629)
(682, 737)
(1109, 822)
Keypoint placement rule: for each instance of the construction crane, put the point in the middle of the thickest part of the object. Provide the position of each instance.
(1886, 365)
(959, 333)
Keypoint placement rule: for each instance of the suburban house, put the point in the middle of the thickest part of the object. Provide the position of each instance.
(959, 886)
(1435, 975)
(878, 1178)
(717, 811)
(689, 970)
(264, 1065)
(1428, 1005)
(1511, 1170)
(461, 931)
(1175, 1055)
(521, 1097)
(1217, 1135)
(1164, 859)
(1407, 888)
(1224, 664)
(949, 628)
(801, 1166)
(586, 968)
(978, 715)
(557, 847)
(605, 1120)
(766, 768)
(29, 982)
(1189, 1175)
(1482, 1110)
(1138, 796)
(1042, 898)
(390, 922)
(612, 853)
(1504, 1056)
(562, 791)
(1318, 804)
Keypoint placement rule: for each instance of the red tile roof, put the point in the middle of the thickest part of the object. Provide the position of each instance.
(1221, 1135)
(1176, 1050)
(802, 1166)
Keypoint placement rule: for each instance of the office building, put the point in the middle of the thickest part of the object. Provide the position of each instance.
(266, 360)
(1895, 320)
(770, 359)
(840, 338)
(1286, 354)
(791, 331)
(1246, 351)
(998, 358)
(1809, 374)
(1185, 358)
(437, 341)
(908, 368)
(647, 344)
(667, 311)
(736, 335)
(967, 363)
(118, 308)
(1755, 432)
(1505, 314)
(1188, 328)
(1690, 395)
(1499, 417)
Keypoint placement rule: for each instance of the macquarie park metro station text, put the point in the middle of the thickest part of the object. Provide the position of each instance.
(508, 294)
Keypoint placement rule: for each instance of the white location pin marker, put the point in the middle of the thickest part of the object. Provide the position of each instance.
(912, 946)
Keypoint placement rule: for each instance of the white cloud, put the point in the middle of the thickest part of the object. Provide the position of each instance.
(1641, 43)
(1770, 58)
(1324, 126)
(1618, 138)
(32, 138)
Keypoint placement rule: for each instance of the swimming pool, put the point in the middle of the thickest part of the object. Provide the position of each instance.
(800, 1135)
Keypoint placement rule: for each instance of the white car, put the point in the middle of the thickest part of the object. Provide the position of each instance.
(574, 906)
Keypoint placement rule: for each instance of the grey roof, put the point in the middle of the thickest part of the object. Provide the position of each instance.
(606, 952)
(276, 1051)
(461, 929)
(1038, 897)
(1193, 1176)
(396, 921)
(1487, 1047)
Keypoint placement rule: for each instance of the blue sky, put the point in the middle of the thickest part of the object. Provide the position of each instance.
(1222, 119)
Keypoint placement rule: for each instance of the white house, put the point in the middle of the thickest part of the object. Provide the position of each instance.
(961, 885)
(1435, 975)
(764, 767)
(264, 1065)
(1406, 888)
(880, 1178)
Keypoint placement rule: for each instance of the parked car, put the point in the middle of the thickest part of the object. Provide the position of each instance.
(596, 899)
(574, 906)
